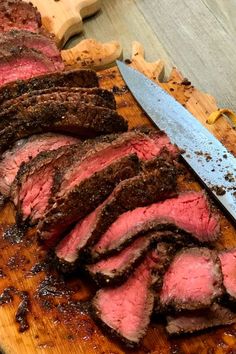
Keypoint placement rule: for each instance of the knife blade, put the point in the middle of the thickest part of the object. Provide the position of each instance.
(208, 158)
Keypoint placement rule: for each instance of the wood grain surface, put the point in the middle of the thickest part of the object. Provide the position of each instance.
(58, 318)
(196, 36)
(64, 18)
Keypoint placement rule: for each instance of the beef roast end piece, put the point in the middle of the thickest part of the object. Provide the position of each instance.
(15, 14)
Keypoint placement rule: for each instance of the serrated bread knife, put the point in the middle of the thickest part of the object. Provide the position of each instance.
(208, 158)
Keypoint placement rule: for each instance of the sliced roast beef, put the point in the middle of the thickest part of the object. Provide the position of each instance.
(193, 321)
(140, 190)
(126, 310)
(193, 280)
(25, 150)
(74, 118)
(228, 265)
(46, 45)
(86, 196)
(21, 63)
(15, 112)
(189, 212)
(73, 78)
(31, 189)
(100, 157)
(107, 96)
(17, 14)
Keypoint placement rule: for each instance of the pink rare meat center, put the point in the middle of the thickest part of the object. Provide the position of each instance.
(186, 278)
(35, 193)
(12, 161)
(21, 69)
(228, 263)
(133, 305)
(144, 148)
(178, 211)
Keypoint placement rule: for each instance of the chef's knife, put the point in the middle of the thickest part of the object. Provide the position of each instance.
(208, 158)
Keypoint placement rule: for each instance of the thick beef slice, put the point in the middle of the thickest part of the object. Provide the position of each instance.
(101, 156)
(14, 113)
(175, 212)
(17, 14)
(126, 310)
(86, 196)
(75, 118)
(193, 280)
(31, 190)
(25, 150)
(73, 78)
(46, 45)
(21, 63)
(129, 194)
(228, 265)
(193, 321)
(107, 96)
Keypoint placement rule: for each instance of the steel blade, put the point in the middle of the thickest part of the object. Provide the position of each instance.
(208, 158)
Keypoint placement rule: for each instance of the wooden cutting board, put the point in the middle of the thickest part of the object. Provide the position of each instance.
(58, 318)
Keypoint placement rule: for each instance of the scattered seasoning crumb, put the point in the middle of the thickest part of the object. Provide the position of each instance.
(218, 190)
(128, 61)
(186, 82)
(225, 156)
(229, 177)
(119, 90)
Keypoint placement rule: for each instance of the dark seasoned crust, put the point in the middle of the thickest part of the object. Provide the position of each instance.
(39, 42)
(85, 197)
(68, 117)
(194, 321)
(217, 290)
(106, 95)
(14, 113)
(73, 78)
(20, 15)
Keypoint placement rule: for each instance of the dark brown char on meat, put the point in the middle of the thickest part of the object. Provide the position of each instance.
(85, 197)
(140, 190)
(193, 280)
(193, 321)
(73, 78)
(134, 294)
(14, 113)
(25, 150)
(16, 14)
(106, 95)
(175, 213)
(22, 63)
(44, 44)
(34, 181)
(228, 265)
(77, 119)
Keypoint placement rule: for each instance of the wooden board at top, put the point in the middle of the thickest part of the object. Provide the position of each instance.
(57, 324)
